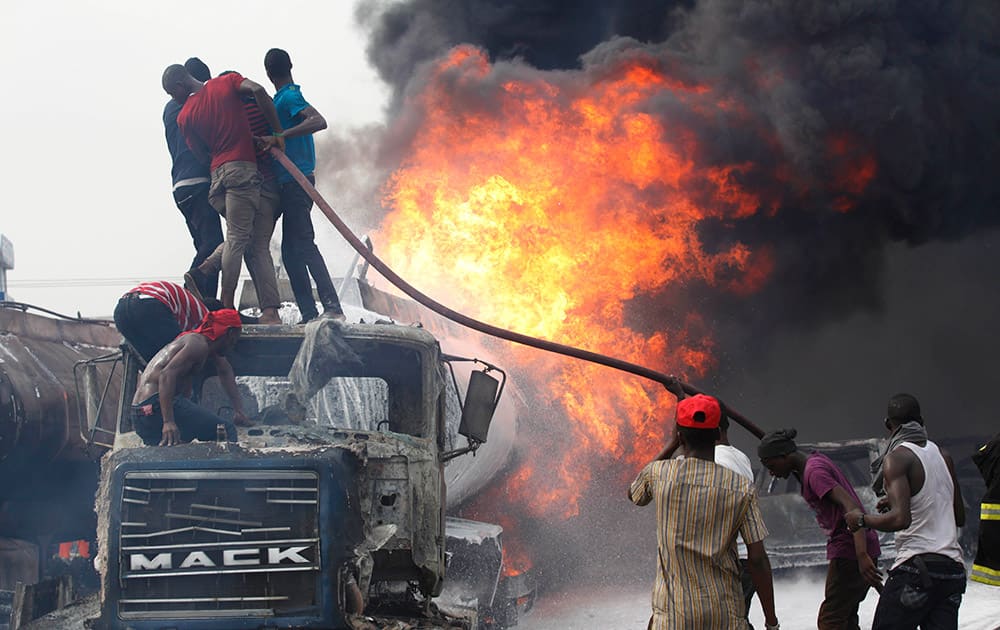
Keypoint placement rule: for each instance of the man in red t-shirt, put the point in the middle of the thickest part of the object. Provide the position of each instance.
(214, 124)
(263, 227)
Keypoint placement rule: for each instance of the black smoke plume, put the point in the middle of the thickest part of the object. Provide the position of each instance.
(914, 85)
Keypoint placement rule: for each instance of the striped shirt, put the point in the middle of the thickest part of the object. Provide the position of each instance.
(187, 309)
(700, 507)
(259, 127)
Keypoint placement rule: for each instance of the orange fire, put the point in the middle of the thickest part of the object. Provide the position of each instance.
(544, 203)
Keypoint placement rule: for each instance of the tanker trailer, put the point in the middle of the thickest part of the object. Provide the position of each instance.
(48, 471)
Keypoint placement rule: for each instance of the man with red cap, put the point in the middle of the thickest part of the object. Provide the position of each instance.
(700, 508)
(161, 414)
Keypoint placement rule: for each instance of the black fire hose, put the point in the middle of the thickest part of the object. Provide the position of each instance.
(666, 380)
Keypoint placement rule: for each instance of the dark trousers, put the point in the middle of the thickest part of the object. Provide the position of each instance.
(205, 226)
(846, 588)
(300, 255)
(193, 421)
(927, 596)
(146, 323)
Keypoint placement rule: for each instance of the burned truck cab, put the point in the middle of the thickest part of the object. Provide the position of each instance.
(329, 508)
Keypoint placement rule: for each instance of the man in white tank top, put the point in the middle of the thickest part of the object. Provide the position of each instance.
(923, 505)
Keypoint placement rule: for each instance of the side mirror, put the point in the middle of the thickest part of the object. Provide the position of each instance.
(91, 395)
(481, 400)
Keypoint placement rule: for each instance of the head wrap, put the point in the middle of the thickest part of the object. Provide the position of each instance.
(217, 323)
(777, 444)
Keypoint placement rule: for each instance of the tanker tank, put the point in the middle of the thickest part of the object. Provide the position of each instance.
(49, 471)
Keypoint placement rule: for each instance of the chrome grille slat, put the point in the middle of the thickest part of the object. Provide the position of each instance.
(238, 538)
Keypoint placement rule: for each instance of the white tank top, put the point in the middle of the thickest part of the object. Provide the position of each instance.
(932, 525)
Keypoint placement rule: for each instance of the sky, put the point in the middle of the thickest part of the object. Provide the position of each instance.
(91, 214)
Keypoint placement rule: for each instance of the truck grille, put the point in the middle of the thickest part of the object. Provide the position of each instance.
(197, 544)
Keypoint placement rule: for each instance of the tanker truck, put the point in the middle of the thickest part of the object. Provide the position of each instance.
(381, 445)
(48, 456)
(329, 512)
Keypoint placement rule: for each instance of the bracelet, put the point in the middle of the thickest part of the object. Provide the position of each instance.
(861, 521)
(776, 626)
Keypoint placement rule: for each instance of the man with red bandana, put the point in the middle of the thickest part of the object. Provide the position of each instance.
(153, 314)
(161, 413)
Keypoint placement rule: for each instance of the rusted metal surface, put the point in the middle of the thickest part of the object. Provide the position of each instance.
(39, 419)
(48, 469)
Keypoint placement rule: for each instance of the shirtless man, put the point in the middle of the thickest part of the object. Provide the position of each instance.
(160, 412)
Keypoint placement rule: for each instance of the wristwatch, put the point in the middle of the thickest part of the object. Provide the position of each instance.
(861, 521)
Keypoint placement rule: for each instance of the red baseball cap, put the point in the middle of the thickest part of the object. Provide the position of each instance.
(699, 412)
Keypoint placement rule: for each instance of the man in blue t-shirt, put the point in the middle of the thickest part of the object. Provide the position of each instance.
(190, 186)
(299, 253)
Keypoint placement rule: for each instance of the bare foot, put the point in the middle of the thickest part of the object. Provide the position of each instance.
(269, 317)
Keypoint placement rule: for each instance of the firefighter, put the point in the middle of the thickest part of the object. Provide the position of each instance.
(986, 567)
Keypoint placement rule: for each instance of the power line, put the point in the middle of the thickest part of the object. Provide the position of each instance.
(58, 283)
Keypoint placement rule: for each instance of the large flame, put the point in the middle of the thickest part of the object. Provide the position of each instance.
(545, 203)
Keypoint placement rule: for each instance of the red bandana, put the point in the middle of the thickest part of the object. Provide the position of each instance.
(216, 323)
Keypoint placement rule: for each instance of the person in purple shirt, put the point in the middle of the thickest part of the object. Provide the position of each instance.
(852, 557)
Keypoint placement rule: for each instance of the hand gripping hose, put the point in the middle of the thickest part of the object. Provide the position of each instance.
(665, 379)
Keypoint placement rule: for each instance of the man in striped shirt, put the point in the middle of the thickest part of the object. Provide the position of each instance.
(154, 313)
(700, 508)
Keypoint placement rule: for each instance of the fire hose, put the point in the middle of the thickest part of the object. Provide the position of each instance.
(668, 381)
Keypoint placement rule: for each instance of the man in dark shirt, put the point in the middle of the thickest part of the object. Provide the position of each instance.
(830, 495)
(190, 184)
(298, 247)
(215, 127)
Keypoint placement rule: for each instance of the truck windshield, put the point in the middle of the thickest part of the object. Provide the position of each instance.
(345, 402)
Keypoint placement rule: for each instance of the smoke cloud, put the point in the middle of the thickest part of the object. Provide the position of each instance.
(830, 93)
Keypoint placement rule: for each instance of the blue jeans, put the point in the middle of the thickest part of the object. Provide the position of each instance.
(927, 596)
(193, 421)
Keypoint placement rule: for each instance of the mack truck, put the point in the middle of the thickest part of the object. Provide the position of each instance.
(328, 512)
